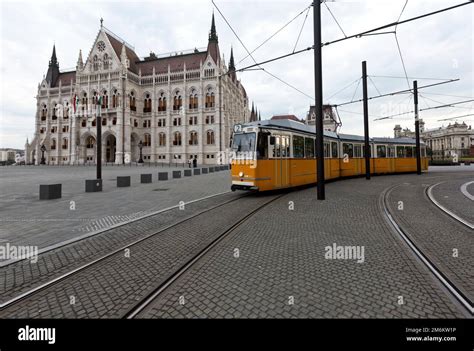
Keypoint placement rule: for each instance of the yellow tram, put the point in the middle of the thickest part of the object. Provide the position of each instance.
(276, 154)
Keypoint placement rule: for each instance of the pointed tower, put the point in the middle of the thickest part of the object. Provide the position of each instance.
(213, 44)
(259, 116)
(53, 69)
(252, 113)
(232, 65)
(80, 63)
(213, 32)
(123, 57)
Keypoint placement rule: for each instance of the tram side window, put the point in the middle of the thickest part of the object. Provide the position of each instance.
(262, 146)
(381, 151)
(423, 151)
(400, 151)
(326, 149)
(298, 146)
(348, 149)
(357, 150)
(409, 151)
(309, 147)
(334, 150)
(391, 151)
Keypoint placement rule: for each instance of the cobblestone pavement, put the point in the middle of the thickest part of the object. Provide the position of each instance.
(111, 287)
(25, 220)
(281, 270)
(449, 195)
(447, 243)
(25, 275)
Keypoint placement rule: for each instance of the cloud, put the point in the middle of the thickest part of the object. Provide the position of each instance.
(437, 46)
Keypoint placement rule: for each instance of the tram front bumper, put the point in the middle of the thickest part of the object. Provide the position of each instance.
(243, 186)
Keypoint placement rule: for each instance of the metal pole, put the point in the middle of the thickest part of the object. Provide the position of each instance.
(366, 121)
(417, 129)
(99, 144)
(318, 90)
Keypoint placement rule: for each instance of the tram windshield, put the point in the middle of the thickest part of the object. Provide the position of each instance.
(243, 142)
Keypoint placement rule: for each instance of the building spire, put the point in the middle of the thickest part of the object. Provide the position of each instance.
(231, 61)
(54, 60)
(80, 63)
(213, 33)
(53, 69)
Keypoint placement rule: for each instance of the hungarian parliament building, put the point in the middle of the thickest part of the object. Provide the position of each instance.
(172, 107)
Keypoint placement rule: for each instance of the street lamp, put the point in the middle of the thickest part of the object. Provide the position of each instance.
(140, 146)
(43, 160)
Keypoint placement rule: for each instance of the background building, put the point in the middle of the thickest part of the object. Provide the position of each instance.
(179, 106)
(443, 142)
(330, 121)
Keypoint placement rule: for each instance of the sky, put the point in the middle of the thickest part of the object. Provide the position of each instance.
(436, 47)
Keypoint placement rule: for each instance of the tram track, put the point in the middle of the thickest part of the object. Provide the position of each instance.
(31, 299)
(456, 294)
(22, 276)
(430, 196)
(154, 295)
(109, 228)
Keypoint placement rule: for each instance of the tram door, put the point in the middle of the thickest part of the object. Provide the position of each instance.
(280, 154)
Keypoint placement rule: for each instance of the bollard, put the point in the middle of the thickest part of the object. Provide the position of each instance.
(146, 178)
(123, 181)
(162, 175)
(93, 185)
(197, 171)
(50, 191)
(176, 174)
(187, 173)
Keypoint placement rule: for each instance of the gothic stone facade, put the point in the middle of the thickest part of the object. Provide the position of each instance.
(177, 106)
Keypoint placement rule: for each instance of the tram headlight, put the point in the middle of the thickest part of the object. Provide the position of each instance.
(241, 174)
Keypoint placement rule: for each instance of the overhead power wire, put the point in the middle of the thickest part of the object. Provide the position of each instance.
(425, 109)
(274, 34)
(396, 23)
(335, 20)
(301, 30)
(397, 92)
(359, 35)
(456, 117)
(256, 64)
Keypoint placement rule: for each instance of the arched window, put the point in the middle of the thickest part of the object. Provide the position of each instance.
(106, 61)
(53, 144)
(94, 98)
(66, 110)
(177, 101)
(54, 116)
(90, 141)
(193, 100)
(95, 62)
(147, 140)
(162, 103)
(84, 101)
(115, 99)
(177, 139)
(44, 112)
(105, 99)
(147, 103)
(210, 137)
(133, 106)
(193, 138)
(162, 139)
(210, 98)
(65, 144)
